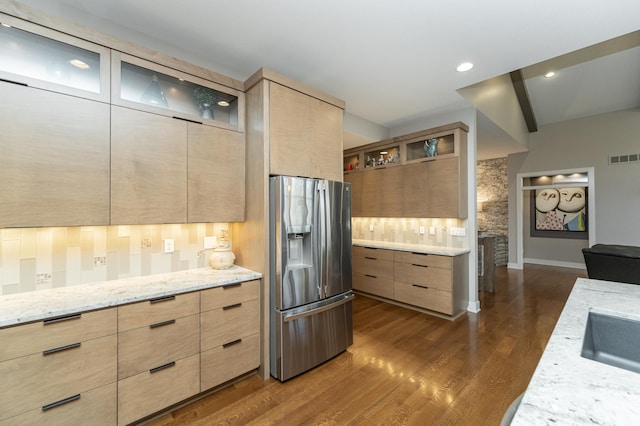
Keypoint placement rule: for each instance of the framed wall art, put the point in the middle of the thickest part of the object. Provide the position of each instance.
(559, 213)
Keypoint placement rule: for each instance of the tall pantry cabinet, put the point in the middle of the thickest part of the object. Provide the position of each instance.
(291, 129)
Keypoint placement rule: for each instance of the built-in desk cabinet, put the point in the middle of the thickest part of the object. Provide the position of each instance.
(429, 282)
(60, 371)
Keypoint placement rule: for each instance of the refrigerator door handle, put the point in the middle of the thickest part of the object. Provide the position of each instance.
(293, 317)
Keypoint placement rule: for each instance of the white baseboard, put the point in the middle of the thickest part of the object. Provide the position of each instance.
(474, 307)
(513, 266)
(547, 262)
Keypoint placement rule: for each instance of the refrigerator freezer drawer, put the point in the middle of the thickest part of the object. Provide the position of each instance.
(307, 337)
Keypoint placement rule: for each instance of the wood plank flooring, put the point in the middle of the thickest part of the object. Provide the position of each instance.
(408, 368)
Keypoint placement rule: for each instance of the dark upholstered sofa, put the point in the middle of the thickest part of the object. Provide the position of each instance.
(613, 262)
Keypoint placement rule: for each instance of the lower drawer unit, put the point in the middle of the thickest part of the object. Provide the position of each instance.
(158, 388)
(425, 276)
(379, 286)
(229, 360)
(56, 374)
(96, 407)
(424, 297)
(225, 324)
(156, 344)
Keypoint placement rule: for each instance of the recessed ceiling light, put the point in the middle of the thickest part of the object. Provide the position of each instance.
(79, 64)
(223, 103)
(466, 66)
(550, 74)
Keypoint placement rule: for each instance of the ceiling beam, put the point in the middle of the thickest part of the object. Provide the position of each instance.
(523, 98)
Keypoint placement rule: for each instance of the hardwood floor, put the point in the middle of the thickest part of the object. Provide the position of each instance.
(410, 368)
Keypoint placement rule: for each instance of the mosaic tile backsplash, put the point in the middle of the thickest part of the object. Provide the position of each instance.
(407, 230)
(41, 258)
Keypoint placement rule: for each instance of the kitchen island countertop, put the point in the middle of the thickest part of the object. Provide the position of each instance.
(37, 305)
(416, 248)
(567, 389)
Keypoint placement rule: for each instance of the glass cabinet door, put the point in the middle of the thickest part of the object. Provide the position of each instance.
(155, 88)
(38, 57)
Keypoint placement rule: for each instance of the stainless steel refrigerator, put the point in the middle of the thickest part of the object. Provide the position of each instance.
(310, 273)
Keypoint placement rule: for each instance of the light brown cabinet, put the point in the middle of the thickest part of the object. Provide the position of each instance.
(54, 165)
(230, 329)
(398, 180)
(305, 134)
(426, 282)
(58, 365)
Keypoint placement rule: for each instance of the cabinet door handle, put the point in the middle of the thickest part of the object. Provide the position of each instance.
(19, 83)
(237, 305)
(420, 286)
(186, 119)
(370, 276)
(61, 348)
(235, 342)
(228, 286)
(371, 258)
(422, 266)
(162, 299)
(420, 254)
(61, 402)
(160, 324)
(60, 319)
(162, 367)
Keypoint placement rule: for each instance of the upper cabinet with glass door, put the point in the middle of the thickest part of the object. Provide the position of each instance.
(35, 56)
(151, 87)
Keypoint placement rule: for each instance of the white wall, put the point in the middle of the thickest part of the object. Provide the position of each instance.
(584, 143)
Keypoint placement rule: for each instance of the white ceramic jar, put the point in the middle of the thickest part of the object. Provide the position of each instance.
(221, 258)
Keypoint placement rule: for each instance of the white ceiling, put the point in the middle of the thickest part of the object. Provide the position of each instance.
(393, 62)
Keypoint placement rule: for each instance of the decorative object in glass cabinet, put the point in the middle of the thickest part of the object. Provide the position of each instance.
(381, 157)
(431, 147)
(179, 95)
(351, 162)
(29, 55)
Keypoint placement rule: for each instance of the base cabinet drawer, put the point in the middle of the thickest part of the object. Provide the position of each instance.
(142, 314)
(43, 378)
(225, 324)
(156, 344)
(424, 297)
(158, 388)
(380, 286)
(96, 407)
(230, 360)
(423, 275)
(229, 294)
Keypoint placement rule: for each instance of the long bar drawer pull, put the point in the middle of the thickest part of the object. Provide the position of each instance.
(160, 324)
(228, 286)
(371, 258)
(420, 286)
(422, 266)
(420, 254)
(61, 402)
(162, 299)
(235, 342)
(14, 82)
(237, 305)
(61, 348)
(162, 367)
(60, 319)
(370, 276)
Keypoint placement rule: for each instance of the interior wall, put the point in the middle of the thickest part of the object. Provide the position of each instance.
(493, 205)
(580, 143)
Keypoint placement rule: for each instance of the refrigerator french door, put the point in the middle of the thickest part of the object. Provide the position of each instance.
(310, 273)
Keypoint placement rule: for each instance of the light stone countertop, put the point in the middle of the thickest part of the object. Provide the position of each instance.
(417, 248)
(567, 389)
(37, 305)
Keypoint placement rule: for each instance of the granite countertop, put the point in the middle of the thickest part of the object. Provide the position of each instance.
(417, 248)
(567, 389)
(37, 305)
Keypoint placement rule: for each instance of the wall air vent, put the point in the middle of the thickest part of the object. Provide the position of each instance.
(624, 159)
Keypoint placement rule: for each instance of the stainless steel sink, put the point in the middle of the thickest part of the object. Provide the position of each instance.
(612, 340)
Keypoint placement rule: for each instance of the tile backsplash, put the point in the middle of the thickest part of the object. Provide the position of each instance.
(407, 230)
(41, 258)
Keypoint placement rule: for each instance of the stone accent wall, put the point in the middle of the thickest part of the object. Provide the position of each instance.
(493, 196)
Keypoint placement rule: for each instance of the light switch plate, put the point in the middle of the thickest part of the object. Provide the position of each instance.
(421, 230)
(210, 242)
(371, 227)
(168, 245)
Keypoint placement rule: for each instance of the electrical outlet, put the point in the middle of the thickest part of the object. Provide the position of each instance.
(169, 245)
(371, 227)
(421, 230)
(210, 242)
(432, 230)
